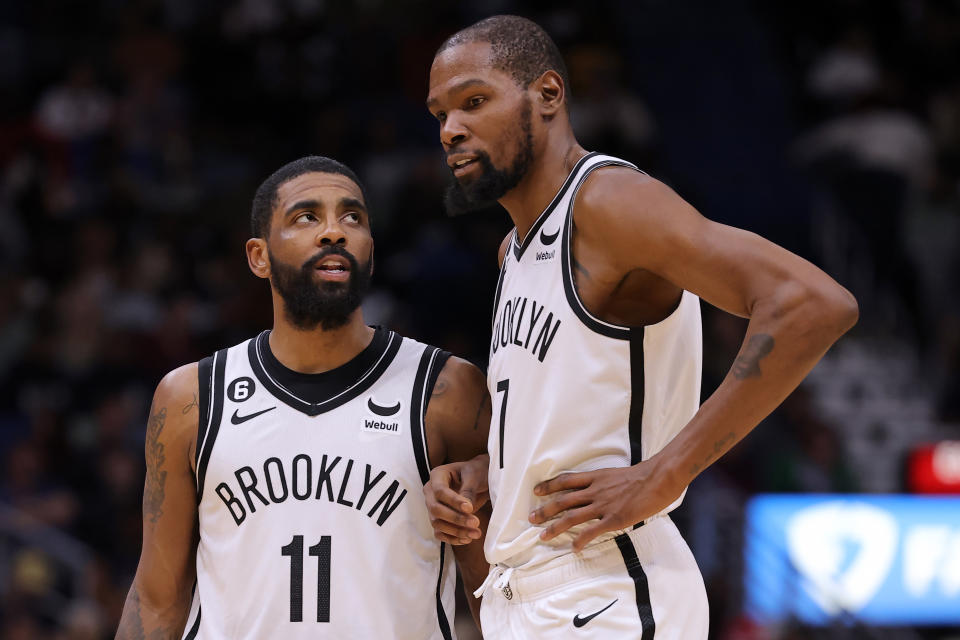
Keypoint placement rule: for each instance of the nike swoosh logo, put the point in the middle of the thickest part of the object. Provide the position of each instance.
(238, 419)
(579, 622)
(545, 239)
(382, 411)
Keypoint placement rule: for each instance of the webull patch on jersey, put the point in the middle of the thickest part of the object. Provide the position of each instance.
(380, 426)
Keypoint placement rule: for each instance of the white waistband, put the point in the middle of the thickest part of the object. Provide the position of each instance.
(518, 584)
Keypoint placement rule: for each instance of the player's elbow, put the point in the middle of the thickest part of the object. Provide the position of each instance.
(830, 309)
(837, 308)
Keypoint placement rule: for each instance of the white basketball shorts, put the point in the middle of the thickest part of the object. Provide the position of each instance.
(643, 584)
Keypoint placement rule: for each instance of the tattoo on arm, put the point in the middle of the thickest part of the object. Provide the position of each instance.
(193, 403)
(153, 492)
(440, 387)
(715, 453)
(747, 364)
(131, 624)
(484, 402)
(577, 265)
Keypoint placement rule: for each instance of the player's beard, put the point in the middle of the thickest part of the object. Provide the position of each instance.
(492, 183)
(309, 303)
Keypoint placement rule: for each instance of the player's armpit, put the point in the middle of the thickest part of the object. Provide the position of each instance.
(159, 599)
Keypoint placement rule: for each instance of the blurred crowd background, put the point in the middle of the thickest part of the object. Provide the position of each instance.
(133, 134)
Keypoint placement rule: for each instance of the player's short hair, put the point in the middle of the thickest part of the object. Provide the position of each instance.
(519, 47)
(266, 196)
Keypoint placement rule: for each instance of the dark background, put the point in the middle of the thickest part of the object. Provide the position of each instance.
(134, 133)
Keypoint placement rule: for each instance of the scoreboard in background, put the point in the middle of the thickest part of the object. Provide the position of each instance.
(883, 560)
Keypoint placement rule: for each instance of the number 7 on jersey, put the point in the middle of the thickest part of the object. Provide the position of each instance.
(503, 385)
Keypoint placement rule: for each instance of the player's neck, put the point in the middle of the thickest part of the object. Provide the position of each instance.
(527, 200)
(318, 350)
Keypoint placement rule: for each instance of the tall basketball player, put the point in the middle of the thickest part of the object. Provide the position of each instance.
(596, 353)
(284, 474)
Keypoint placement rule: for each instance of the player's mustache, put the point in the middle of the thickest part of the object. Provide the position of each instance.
(331, 250)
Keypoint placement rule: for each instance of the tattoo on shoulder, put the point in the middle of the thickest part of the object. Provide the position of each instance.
(193, 403)
(747, 364)
(440, 388)
(153, 492)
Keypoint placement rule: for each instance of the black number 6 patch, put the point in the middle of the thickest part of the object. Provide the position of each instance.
(241, 389)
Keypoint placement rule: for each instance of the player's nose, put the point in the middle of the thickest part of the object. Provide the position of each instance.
(331, 232)
(453, 132)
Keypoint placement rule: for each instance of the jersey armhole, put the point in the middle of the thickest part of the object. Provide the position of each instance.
(431, 364)
(210, 371)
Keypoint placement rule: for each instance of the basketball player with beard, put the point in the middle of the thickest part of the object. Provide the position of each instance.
(284, 474)
(595, 354)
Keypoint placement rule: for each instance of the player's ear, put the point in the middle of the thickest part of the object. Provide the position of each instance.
(258, 258)
(551, 93)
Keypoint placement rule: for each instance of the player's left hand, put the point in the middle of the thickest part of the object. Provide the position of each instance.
(615, 498)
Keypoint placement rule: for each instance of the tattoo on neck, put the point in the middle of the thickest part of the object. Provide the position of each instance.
(153, 492)
(747, 364)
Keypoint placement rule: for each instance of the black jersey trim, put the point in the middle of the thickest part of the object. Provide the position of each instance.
(602, 327)
(204, 388)
(192, 634)
(441, 613)
(519, 248)
(637, 391)
(636, 395)
(640, 584)
(286, 396)
(216, 414)
(418, 409)
(496, 295)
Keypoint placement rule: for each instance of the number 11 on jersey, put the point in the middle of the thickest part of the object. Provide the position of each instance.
(503, 385)
(295, 552)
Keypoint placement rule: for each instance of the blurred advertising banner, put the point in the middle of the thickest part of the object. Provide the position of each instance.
(885, 560)
(934, 468)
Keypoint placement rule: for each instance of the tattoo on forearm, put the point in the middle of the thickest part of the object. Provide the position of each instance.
(153, 492)
(131, 622)
(716, 452)
(484, 402)
(193, 403)
(440, 387)
(747, 364)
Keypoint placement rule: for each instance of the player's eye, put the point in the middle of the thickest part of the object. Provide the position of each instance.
(306, 216)
(475, 102)
(353, 216)
(441, 117)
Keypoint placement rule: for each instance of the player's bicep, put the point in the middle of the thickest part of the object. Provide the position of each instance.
(648, 226)
(166, 571)
(458, 415)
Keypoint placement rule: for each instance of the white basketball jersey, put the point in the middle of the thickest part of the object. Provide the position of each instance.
(570, 391)
(312, 518)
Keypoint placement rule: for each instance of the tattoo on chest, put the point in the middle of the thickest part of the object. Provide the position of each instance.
(747, 364)
(153, 492)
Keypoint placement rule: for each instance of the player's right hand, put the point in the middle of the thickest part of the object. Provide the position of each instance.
(453, 494)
